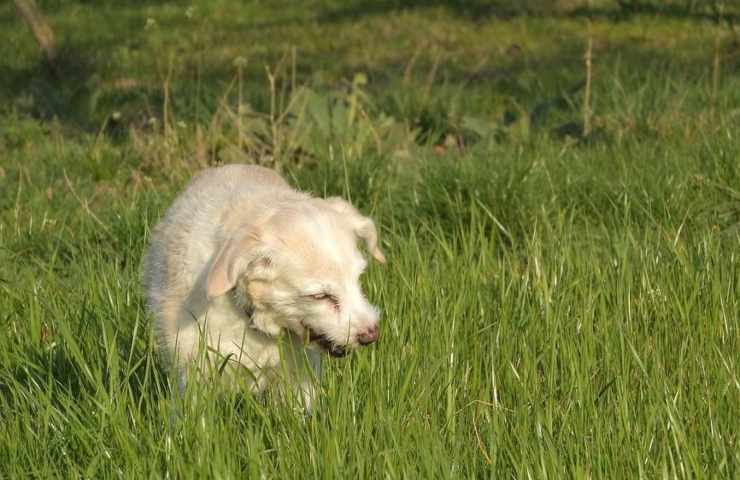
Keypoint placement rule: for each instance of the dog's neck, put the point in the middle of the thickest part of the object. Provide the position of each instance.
(244, 305)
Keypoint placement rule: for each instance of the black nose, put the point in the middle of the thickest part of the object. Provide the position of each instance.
(368, 336)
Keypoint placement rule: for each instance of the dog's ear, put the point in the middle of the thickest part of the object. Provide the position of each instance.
(363, 226)
(237, 256)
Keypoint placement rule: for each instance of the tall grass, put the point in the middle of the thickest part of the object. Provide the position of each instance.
(534, 324)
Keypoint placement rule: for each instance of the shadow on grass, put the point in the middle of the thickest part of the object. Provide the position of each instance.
(504, 9)
(684, 10)
(70, 93)
(80, 97)
(59, 365)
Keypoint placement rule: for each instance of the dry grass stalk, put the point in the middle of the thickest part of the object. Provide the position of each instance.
(587, 113)
(716, 66)
(41, 29)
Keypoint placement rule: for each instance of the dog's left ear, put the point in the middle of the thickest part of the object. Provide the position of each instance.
(363, 226)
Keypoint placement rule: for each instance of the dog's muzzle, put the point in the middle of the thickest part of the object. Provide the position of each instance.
(331, 348)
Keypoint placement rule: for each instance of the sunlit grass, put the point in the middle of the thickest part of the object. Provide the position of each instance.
(552, 306)
(584, 328)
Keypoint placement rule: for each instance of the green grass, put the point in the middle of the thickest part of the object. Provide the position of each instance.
(554, 305)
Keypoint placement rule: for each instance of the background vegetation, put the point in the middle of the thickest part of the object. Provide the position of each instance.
(562, 292)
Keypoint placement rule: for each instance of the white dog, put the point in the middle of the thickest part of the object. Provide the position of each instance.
(243, 265)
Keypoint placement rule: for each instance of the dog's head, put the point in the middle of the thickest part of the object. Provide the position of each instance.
(300, 270)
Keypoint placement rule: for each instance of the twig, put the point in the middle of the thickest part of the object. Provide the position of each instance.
(292, 69)
(240, 63)
(587, 90)
(431, 76)
(166, 87)
(41, 29)
(373, 130)
(83, 204)
(481, 445)
(410, 65)
(717, 64)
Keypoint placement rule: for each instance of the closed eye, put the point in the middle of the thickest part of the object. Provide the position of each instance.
(320, 297)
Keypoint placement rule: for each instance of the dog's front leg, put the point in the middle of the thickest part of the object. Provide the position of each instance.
(308, 382)
(302, 371)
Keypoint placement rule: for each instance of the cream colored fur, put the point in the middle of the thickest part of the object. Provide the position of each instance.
(264, 276)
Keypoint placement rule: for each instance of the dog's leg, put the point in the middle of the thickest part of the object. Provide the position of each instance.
(309, 384)
(302, 369)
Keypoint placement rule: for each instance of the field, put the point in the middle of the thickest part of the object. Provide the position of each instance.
(562, 290)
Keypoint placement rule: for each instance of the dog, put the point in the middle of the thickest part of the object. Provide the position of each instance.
(245, 271)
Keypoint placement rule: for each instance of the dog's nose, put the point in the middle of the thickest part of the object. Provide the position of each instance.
(368, 336)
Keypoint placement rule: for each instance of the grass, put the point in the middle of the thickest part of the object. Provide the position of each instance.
(554, 305)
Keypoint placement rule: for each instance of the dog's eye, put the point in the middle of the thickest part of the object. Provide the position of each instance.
(326, 297)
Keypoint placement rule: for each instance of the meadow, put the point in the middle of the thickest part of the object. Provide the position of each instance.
(562, 290)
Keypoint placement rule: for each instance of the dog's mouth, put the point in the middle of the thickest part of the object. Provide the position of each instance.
(336, 351)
